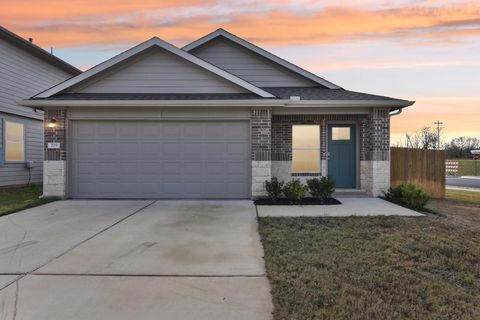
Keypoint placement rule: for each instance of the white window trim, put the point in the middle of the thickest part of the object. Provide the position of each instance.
(5, 142)
(310, 148)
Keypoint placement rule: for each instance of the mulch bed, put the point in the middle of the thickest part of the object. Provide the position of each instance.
(288, 202)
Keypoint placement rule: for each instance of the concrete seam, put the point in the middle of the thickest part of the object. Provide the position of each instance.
(23, 275)
(150, 275)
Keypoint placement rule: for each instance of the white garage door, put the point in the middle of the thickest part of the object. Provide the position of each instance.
(153, 159)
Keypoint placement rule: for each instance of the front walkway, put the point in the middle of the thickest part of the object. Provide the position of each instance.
(351, 206)
(120, 260)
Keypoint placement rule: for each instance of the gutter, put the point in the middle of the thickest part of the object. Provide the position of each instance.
(42, 103)
(287, 103)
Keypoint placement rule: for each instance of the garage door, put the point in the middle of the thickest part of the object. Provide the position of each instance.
(154, 159)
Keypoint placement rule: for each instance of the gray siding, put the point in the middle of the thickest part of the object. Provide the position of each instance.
(248, 65)
(23, 75)
(158, 71)
(14, 173)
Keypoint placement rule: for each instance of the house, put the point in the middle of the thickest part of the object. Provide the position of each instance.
(214, 119)
(25, 70)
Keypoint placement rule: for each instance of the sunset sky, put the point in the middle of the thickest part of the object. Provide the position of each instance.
(427, 51)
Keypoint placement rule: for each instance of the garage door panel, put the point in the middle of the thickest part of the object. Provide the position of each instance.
(236, 130)
(171, 130)
(215, 149)
(236, 149)
(154, 159)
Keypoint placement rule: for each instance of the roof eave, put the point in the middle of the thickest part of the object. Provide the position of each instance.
(41, 103)
(38, 52)
(349, 103)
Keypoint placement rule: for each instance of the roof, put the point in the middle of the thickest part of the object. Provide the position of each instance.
(317, 93)
(292, 67)
(153, 96)
(283, 93)
(37, 51)
(155, 41)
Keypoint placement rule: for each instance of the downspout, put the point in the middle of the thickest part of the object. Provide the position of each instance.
(395, 112)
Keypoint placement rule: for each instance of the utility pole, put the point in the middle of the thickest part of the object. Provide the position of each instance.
(438, 123)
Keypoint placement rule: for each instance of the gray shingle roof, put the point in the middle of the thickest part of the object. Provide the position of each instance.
(153, 96)
(318, 93)
(305, 93)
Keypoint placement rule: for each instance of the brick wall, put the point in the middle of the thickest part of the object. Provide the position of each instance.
(374, 131)
(56, 134)
(378, 135)
(282, 132)
(261, 126)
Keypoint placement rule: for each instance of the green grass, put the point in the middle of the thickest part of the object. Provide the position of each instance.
(460, 195)
(373, 268)
(467, 167)
(16, 199)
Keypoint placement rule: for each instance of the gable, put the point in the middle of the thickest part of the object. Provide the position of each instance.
(248, 65)
(156, 70)
(22, 75)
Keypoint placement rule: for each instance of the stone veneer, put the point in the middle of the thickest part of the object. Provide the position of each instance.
(54, 166)
(54, 179)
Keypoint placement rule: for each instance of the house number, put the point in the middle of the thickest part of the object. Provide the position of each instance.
(53, 145)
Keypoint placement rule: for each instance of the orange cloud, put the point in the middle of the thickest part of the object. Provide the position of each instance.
(71, 23)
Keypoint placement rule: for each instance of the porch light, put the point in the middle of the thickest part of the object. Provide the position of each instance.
(52, 123)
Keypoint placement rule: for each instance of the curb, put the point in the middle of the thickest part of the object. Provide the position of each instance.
(471, 177)
(463, 188)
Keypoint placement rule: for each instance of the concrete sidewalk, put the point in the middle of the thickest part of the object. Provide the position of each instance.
(350, 207)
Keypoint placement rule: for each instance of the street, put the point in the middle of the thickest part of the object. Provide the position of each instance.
(462, 182)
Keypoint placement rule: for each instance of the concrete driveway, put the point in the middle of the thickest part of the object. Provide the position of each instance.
(81, 259)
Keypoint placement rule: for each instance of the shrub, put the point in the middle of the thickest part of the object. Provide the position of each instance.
(414, 197)
(322, 188)
(274, 188)
(394, 194)
(295, 191)
(408, 195)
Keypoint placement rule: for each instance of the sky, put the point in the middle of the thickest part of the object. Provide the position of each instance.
(426, 50)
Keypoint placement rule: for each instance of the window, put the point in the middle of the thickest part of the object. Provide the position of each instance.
(341, 133)
(14, 141)
(306, 148)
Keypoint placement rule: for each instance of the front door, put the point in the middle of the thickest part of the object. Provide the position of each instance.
(342, 157)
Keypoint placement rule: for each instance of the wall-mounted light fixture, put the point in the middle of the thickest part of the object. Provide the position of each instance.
(52, 123)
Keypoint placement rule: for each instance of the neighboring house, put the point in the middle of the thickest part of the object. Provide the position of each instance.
(212, 120)
(25, 70)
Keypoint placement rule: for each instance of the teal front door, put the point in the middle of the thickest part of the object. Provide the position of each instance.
(342, 155)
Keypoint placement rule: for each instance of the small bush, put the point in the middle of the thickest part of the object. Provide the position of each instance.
(408, 195)
(414, 197)
(295, 191)
(274, 188)
(394, 195)
(322, 188)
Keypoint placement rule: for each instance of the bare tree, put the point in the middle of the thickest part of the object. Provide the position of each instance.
(426, 138)
(460, 147)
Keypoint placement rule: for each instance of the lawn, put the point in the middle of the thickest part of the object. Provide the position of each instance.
(461, 195)
(16, 199)
(377, 267)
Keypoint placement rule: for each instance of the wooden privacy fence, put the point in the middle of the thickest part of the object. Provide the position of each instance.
(425, 168)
